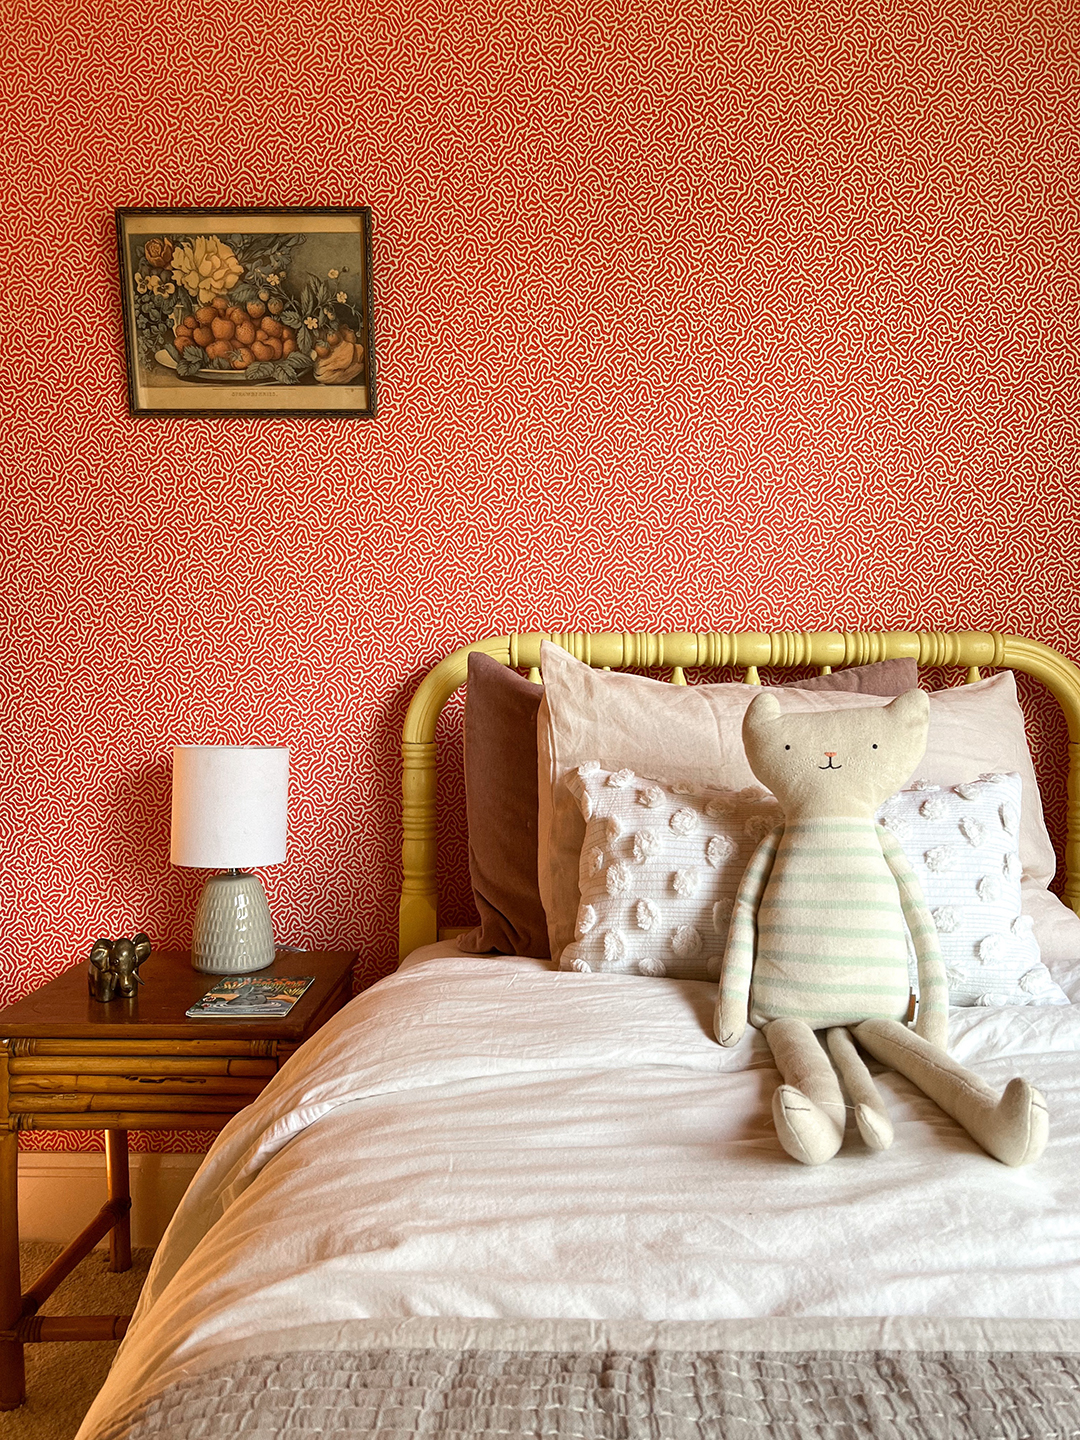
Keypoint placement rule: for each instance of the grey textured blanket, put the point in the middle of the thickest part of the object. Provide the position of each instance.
(401, 1394)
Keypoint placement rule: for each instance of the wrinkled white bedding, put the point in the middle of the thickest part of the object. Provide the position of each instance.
(486, 1137)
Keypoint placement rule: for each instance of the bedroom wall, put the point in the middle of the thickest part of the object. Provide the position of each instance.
(687, 316)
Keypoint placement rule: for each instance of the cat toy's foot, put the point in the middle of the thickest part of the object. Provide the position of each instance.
(875, 1127)
(808, 1132)
(871, 1117)
(1016, 1129)
(1012, 1127)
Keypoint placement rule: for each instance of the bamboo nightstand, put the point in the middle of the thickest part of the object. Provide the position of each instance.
(68, 1062)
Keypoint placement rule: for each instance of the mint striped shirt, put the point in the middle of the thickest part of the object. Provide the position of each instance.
(818, 931)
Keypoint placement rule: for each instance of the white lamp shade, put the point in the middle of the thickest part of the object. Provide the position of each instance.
(230, 805)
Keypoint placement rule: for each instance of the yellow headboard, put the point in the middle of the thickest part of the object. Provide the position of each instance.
(971, 650)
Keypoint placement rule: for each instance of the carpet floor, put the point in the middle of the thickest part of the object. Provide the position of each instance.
(62, 1379)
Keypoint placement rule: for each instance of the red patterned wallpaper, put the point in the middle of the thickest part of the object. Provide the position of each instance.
(687, 316)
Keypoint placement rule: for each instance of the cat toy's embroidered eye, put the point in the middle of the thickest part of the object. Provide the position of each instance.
(873, 747)
(787, 747)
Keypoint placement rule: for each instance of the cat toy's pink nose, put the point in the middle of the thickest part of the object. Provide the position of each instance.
(830, 754)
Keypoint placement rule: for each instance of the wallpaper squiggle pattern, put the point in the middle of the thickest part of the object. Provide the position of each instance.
(687, 316)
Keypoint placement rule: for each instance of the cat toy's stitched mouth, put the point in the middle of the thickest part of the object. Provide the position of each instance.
(830, 766)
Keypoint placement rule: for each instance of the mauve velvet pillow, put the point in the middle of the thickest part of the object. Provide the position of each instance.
(501, 806)
(501, 794)
(887, 677)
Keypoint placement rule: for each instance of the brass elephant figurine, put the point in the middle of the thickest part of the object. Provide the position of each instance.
(114, 966)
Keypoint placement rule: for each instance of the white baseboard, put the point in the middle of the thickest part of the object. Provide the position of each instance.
(60, 1193)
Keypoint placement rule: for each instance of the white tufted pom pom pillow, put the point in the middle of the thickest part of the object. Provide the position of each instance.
(962, 842)
(659, 870)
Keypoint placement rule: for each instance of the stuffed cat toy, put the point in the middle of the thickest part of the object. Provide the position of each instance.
(817, 940)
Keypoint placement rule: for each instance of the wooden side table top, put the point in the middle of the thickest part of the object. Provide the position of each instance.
(64, 1009)
(69, 1062)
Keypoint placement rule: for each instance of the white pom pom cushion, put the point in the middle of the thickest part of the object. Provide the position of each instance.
(963, 842)
(659, 870)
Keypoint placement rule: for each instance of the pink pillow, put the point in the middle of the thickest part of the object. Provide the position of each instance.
(501, 794)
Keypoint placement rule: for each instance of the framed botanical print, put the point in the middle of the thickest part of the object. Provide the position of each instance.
(247, 312)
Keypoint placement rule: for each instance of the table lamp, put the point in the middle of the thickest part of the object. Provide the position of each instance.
(230, 811)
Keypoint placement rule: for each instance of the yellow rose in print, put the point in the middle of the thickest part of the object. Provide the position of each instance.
(206, 267)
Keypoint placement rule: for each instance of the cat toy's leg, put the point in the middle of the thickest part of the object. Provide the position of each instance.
(1013, 1127)
(871, 1117)
(808, 1108)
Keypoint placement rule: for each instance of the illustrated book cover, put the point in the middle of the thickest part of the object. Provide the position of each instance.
(242, 998)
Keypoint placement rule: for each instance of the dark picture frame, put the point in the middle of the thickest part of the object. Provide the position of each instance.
(247, 311)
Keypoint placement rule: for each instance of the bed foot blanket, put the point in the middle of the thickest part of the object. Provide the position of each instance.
(401, 1394)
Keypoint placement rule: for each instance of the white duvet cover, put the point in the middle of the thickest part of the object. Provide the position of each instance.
(485, 1137)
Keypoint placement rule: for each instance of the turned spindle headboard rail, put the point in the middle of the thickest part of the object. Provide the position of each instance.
(970, 650)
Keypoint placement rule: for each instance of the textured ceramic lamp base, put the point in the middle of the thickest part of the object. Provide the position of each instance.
(232, 933)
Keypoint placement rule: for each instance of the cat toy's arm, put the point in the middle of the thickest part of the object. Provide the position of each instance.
(733, 998)
(933, 1017)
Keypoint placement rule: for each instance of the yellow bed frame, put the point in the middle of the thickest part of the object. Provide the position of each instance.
(972, 650)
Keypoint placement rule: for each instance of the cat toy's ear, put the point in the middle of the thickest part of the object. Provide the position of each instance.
(762, 711)
(764, 707)
(912, 707)
(908, 718)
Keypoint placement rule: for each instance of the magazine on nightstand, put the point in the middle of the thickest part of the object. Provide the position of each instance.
(242, 998)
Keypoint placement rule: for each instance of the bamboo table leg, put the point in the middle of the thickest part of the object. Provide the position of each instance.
(12, 1369)
(116, 1167)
